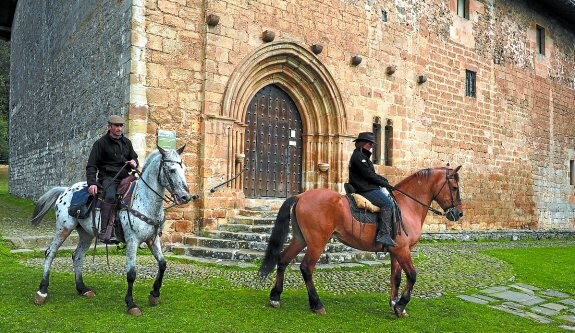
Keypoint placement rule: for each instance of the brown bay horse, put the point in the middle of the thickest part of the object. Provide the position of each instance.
(318, 214)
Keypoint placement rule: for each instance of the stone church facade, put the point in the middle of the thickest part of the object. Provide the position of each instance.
(280, 88)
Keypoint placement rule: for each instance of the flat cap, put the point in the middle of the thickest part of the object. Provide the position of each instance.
(114, 119)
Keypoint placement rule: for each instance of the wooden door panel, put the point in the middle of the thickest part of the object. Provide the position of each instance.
(274, 166)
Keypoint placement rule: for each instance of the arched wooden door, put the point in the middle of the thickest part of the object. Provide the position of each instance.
(273, 146)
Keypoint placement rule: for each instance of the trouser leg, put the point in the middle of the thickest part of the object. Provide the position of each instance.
(105, 226)
(384, 227)
(107, 215)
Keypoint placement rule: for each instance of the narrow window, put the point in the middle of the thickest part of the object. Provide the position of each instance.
(388, 142)
(463, 8)
(572, 172)
(469, 83)
(376, 153)
(540, 40)
(384, 15)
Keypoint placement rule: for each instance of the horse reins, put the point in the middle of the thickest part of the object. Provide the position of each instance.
(171, 183)
(431, 209)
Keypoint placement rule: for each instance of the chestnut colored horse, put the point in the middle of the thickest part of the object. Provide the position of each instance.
(318, 214)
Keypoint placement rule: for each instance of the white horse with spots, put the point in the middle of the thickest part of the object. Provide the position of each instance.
(141, 222)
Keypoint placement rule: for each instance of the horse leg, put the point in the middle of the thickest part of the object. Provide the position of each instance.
(50, 253)
(307, 267)
(78, 258)
(156, 248)
(131, 249)
(394, 282)
(287, 255)
(406, 264)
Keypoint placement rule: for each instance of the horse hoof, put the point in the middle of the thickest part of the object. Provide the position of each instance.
(89, 294)
(275, 304)
(399, 312)
(39, 299)
(153, 300)
(135, 311)
(320, 311)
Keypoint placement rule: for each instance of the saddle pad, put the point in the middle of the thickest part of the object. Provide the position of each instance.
(361, 214)
(127, 195)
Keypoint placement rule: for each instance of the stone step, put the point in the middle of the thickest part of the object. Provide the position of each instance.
(231, 242)
(265, 212)
(237, 227)
(253, 220)
(247, 255)
(39, 242)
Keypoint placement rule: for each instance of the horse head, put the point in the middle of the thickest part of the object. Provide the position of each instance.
(448, 196)
(172, 175)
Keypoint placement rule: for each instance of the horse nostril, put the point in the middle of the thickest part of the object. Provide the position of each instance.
(461, 214)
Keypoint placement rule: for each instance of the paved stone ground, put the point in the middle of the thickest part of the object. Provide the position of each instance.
(542, 305)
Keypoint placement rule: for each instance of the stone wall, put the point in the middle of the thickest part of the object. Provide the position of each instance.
(70, 71)
(514, 139)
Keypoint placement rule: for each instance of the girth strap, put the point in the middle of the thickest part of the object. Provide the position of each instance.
(143, 217)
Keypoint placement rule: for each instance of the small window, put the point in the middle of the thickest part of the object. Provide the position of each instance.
(384, 15)
(463, 8)
(572, 172)
(388, 143)
(540, 40)
(470, 83)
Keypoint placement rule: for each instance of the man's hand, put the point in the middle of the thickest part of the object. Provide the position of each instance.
(387, 185)
(133, 164)
(93, 189)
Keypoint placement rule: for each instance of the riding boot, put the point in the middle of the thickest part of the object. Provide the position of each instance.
(107, 223)
(384, 228)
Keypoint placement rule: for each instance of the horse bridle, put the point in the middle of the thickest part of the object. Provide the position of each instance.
(449, 209)
(171, 187)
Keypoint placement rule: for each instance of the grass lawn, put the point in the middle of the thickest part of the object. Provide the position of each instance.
(186, 307)
(12, 206)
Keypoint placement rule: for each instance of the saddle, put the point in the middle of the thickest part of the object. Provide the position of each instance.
(82, 202)
(361, 208)
(366, 212)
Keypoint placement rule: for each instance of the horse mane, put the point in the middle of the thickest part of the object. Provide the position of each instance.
(424, 173)
(150, 159)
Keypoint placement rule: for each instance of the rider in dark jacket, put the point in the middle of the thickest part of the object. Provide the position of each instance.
(368, 183)
(107, 167)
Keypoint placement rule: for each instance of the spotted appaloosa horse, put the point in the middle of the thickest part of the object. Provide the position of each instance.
(318, 214)
(163, 170)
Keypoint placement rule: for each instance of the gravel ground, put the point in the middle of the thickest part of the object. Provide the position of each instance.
(441, 268)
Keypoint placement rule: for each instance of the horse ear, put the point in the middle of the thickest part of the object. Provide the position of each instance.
(181, 149)
(457, 169)
(162, 151)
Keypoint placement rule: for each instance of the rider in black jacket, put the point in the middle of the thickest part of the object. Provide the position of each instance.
(368, 183)
(108, 158)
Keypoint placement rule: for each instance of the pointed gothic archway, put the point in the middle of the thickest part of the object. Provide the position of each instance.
(301, 75)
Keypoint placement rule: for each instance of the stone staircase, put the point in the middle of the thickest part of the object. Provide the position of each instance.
(245, 238)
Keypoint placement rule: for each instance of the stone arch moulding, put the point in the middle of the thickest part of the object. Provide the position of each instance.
(311, 86)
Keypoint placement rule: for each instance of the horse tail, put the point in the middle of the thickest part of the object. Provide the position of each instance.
(45, 202)
(278, 237)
